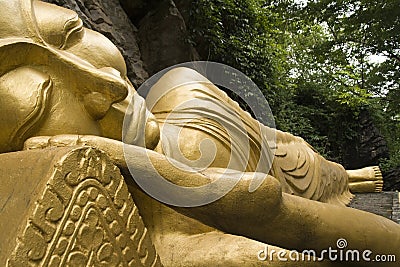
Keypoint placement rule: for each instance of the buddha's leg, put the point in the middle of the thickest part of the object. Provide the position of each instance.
(183, 241)
(367, 179)
(298, 223)
(219, 249)
(305, 173)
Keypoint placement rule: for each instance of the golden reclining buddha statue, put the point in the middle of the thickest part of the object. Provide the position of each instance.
(65, 105)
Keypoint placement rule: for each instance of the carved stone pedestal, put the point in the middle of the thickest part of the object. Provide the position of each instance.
(69, 207)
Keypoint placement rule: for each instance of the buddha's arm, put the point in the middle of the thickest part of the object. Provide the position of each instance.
(297, 223)
(267, 214)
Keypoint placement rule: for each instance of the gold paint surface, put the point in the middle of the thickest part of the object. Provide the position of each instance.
(63, 85)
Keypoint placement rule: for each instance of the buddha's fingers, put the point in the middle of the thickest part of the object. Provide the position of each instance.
(113, 148)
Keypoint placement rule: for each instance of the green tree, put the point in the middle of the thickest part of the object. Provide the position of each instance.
(364, 29)
(312, 62)
(247, 36)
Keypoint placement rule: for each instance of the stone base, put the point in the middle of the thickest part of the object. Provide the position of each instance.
(385, 204)
(69, 207)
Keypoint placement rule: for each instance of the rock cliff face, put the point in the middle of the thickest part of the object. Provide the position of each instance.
(373, 146)
(392, 179)
(152, 35)
(369, 147)
(163, 38)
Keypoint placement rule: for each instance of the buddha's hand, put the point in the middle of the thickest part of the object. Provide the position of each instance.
(113, 148)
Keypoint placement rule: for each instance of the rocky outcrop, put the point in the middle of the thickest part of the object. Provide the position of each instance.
(392, 179)
(162, 32)
(369, 150)
(370, 147)
(373, 146)
(137, 9)
(163, 38)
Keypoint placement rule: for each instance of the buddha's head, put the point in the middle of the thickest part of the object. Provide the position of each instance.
(57, 77)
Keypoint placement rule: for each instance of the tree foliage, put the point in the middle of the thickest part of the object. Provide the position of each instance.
(364, 29)
(313, 62)
(243, 35)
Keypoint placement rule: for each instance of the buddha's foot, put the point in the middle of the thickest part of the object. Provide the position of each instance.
(365, 180)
